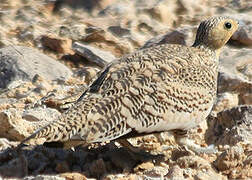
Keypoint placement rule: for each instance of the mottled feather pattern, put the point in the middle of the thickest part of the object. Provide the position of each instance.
(139, 92)
(161, 88)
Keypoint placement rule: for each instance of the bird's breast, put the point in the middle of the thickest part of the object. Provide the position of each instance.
(177, 120)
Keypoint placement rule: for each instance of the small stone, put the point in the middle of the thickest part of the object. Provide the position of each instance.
(226, 101)
(163, 11)
(232, 162)
(119, 31)
(144, 166)
(183, 36)
(246, 98)
(40, 114)
(193, 162)
(44, 177)
(73, 176)
(26, 34)
(209, 175)
(121, 158)
(60, 45)
(99, 57)
(243, 35)
(98, 37)
(72, 31)
(87, 74)
(121, 8)
(175, 173)
(247, 70)
(156, 172)
(12, 125)
(5, 143)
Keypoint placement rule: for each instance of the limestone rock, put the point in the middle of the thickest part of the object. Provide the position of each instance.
(60, 45)
(233, 162)
(23, 63)
(175, 173)
(246, 98)
(145, 166)
(73, 176)
(120, 8)
(119, 31)
(191, 11)
(87, 74)
(231, 126)
(235, 72)
(105, 40)
(12, 125)
(5, 143)
(163, 11)
(197, 167)
(226, 100)
(40, 114)
(156, 172)
(16, 125)
(240, 5)
(99, 57)
(182, 36)
(244, 35)
(44, 177)
(72, 31)
(87, 4)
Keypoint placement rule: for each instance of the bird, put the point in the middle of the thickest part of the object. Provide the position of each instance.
(162, 88)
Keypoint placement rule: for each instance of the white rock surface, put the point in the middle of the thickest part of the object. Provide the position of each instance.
(23, 63)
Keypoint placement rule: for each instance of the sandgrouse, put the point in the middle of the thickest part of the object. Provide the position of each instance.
(166, 87)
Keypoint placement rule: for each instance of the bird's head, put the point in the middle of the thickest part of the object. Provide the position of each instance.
(215, 32)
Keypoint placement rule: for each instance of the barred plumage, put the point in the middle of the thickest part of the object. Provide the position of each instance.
(161, 88)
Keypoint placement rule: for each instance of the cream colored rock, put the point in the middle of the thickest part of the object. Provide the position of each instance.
(234, 162)
(183, 36)
(12, 125)
(235, 73)
(247, 98)
(20, 63)
(163, 11)
(226, 101)
(231, 126)
(16, 125)
(197, 167)
(244, 35)
(60, 45)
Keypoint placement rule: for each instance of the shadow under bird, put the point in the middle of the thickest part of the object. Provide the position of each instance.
(166, 87)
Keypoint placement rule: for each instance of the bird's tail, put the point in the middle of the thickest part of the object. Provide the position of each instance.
(66, 128)
(54, 131)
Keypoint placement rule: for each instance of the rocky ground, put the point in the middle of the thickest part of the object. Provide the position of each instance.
(55, 49)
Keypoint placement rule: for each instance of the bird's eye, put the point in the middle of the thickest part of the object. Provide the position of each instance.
(228, 25)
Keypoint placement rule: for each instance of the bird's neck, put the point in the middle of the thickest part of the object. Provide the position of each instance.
(212, 51)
